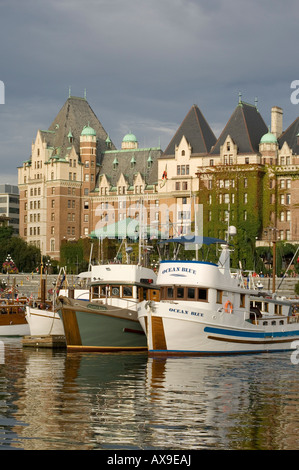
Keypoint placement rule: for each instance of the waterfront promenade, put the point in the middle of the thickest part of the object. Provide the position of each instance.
(28, 284)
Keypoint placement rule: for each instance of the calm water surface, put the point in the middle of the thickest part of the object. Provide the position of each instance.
(53, 400)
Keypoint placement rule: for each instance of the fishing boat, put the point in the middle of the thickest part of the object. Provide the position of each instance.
(109, 320)
(205, 308)
(12, 318)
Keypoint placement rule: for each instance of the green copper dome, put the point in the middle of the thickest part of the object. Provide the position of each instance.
(87, 130)
(268, 138)
(129, 138)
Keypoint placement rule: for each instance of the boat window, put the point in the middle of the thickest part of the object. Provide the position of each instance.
(104, 291)
(273, 322)
(170, 292)
(242, 300)
(202, 294)
(115, 291)
(219, 296)
(265, 323)
(180, 292)
(95, 292)
(281, 322)
(127, 291)
(278, 309)
(191, 293)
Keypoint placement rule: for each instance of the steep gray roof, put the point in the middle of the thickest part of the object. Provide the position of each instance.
(197, 132)
(129, 163)
(246, 127)
(290, 136)
(73, 116)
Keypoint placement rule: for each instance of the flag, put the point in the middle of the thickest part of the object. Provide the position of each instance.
(164, 177)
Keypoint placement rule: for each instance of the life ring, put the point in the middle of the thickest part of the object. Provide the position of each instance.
(228, 307)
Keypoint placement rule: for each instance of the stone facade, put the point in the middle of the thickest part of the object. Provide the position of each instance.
(76, 182)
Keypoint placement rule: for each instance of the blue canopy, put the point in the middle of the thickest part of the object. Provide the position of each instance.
(194, 239)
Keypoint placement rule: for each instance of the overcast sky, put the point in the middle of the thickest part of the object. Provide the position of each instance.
(143, 63)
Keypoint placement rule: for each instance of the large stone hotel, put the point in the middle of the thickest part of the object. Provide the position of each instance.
(76, 182)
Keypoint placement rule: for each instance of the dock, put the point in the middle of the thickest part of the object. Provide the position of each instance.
(50, 341)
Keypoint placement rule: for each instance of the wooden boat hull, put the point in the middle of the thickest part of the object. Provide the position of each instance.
(96, 327)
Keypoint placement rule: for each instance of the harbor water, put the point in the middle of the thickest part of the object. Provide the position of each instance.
(56, 400)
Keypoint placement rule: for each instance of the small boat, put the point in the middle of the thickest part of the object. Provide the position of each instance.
(204, 308)
(109, 321)
(12, 318)
(42, 316)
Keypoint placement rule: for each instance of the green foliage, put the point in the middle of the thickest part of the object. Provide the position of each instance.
(26, 257)
(75, 254)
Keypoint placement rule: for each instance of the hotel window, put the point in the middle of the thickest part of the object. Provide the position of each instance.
(245, 198)
(282, 216)
(288, 184)
(282, 184)
(211, 162)
(177, 186)
(288, 216)
(210, 184)
(288, 235)
(53, 203)
(288, 199)
(184, 186)
(226, 198)
(178, 169)
(52, 230)
(210, 199)
(187, 169)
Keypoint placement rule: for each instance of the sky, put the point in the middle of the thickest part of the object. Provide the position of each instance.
(143, 63)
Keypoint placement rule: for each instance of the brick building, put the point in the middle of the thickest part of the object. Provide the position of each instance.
(76, 181)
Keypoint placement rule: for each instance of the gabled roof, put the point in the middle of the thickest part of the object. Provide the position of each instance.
(246, 127)
(73, 116)
(290, 137)
(197, 132)
(129, 163)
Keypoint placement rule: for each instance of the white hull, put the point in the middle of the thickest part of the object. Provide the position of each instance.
(14, 330)
(211, 333)
(43, 322)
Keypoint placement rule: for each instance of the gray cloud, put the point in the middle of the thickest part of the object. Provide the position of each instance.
(143, 63)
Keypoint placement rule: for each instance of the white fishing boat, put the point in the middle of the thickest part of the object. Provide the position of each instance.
(204, 308)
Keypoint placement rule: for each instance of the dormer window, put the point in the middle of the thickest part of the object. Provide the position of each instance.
(133, 162)
(115, 163)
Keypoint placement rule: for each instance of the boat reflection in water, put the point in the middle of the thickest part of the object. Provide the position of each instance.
(63, 400)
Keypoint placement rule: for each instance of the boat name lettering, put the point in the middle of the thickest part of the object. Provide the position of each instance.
(179, 269)
(185, 312)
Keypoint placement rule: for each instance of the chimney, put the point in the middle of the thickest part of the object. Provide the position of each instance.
(276, 121)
